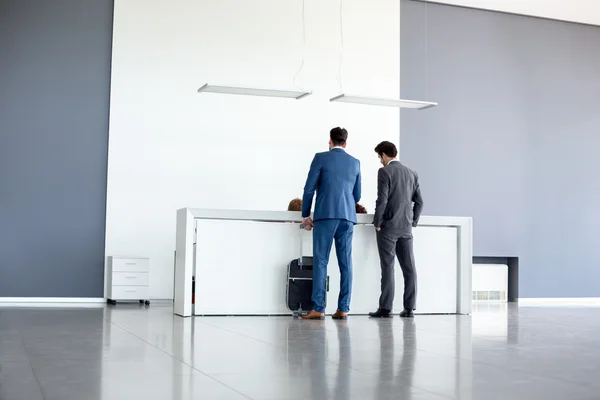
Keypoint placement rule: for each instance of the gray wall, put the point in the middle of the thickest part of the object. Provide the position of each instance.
(54, 104)
(515, 140)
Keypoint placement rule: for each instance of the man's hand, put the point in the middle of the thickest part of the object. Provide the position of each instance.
(308, 223)
(378, 229)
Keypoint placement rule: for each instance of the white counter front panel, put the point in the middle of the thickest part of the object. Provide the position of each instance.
(241, 268)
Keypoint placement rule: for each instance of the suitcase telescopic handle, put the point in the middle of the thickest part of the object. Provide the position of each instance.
(300, 261)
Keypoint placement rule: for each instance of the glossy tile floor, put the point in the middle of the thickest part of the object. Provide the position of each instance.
(130, 352)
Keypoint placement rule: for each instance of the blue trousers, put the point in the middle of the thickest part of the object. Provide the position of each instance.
(324, 233)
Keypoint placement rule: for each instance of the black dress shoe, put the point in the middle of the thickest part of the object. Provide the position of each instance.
(381, 314)
(407, 314)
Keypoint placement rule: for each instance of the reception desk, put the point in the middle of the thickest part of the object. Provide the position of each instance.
(239, 260)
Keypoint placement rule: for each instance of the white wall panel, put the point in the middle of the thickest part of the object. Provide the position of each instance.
(171, 147)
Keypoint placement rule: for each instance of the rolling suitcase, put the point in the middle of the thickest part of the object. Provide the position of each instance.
(299, 283)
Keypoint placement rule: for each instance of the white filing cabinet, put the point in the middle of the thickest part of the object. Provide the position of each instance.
(128, 279)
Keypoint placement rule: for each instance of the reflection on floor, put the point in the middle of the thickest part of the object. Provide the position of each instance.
(131, 352)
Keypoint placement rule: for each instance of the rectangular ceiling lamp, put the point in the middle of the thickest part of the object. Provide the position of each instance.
(377, 101)
(286, 94)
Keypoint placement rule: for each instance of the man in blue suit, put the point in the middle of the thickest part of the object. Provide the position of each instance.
(335, 176)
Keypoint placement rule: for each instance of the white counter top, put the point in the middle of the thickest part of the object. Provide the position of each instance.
(296, 216)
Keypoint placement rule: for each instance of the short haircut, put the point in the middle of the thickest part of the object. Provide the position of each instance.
(295, 205)
(387, 148)
(338, 136)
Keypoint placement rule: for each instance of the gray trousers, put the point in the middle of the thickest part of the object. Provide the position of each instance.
(391, 246)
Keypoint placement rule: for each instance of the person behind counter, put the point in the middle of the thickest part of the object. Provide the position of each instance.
(360, 209)
(295, 205)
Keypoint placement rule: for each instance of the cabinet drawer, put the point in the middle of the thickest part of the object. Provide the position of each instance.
(130, 279)
(130, 293)
(131, 264)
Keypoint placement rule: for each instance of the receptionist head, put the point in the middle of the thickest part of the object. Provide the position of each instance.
(337, 138)
(295, 205)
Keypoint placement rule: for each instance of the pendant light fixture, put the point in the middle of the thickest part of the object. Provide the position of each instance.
(247, 91)
(367, 100)
(298, 93)
(378, 101)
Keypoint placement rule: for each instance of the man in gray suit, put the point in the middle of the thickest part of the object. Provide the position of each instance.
(397, 211)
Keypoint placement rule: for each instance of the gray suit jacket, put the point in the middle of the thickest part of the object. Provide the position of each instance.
(399, 202)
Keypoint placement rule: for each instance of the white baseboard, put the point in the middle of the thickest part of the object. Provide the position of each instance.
(560, 302)
(52, 300)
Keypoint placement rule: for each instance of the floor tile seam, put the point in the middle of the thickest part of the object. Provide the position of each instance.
(270, 343)
(367, 375)
(475, 363)
(425, 351)
(527, 322)
(335, 330)
(240, 334)
(268, 373)
(37, 381)
(480, 363)
(527, 371)
(443, 396)
(329, 330)
(181, 361)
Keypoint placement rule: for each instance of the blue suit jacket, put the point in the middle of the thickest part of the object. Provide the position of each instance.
(335, 176)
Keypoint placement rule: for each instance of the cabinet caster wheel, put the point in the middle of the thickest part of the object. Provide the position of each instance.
(141, 301)
(147, 302)
(111, 302)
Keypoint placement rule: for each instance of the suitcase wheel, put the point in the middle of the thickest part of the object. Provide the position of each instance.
(296, 314)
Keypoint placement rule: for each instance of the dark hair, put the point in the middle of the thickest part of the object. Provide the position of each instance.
(387, 148)
(360, 209)
(338, 136)
(295, 205)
